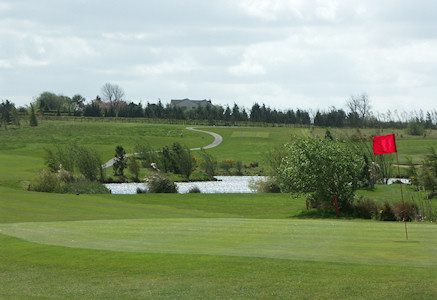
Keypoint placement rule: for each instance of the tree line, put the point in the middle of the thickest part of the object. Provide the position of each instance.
(357, 114)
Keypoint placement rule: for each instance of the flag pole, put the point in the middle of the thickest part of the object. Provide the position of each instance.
(402, 195)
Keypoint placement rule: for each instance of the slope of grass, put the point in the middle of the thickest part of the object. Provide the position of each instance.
(157, 246)
(30, 270)
(377, 243)
(194, 246)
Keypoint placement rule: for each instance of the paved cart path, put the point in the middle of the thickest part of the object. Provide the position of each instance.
(217, 141)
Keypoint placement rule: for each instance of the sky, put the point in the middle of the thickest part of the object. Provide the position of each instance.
(307, 54)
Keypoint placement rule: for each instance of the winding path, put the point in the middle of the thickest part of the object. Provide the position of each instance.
(218, 139)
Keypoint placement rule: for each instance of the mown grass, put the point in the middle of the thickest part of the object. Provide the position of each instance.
(30, 270)
(195, 245)
(254, 249)
(252, 144)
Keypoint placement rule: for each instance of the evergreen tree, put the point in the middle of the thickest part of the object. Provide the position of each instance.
(33, 121)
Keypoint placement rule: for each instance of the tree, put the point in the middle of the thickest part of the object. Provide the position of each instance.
(33, 121)
(182, 159)
(15, 119)
(134, 166)
(208, 164)
(48, 101)
(146, 154)
(321, 169)
(88, 163)
(92, 110)
(359, 106)
(75, 103)
(113, 94)
(7, 111)
(120, 161)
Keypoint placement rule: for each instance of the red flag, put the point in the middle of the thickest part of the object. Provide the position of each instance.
(384, 144)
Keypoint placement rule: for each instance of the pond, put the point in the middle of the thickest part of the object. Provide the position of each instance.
(224, 184)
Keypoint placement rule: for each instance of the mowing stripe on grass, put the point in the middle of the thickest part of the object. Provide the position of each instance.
(255, 134)
(380, 243)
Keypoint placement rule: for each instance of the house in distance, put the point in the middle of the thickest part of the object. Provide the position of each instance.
(190, 104)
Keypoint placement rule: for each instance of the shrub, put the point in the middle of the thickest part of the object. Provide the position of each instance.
(159, 184)
(415, 128)
(141, 191)
(265, 186)
(321, 167)
(366, 209)
(207, 164)
(238, 167)
(47, 182)
(194, 190)
(386, 212)
(226, 165)
(120, 161)
(65, 176)
(134, 167)
(410, 211)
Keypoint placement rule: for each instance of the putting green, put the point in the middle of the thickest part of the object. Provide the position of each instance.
(380, 243)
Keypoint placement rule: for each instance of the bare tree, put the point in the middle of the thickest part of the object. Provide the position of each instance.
(113, 94)
(360, 105)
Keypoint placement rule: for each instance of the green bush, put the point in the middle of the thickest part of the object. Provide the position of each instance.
(141, 191)
(265, 186)
(207, 164)
(323, 168)
(194, 190)
(47, 182)
(414, 128)
(410, 211)
(366, 209)
(386, 213)
(159, 184)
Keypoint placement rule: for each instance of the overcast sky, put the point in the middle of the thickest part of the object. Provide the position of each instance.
(287, 54)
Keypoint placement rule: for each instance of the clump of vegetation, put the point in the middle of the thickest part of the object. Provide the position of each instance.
(194, 190)
(415, 128)
(71, 169)
(226, 165)
(177, 159)
(64, 182)
(75, 159)
(366, 209)
(386, 212)
(47, 182)
(159, 184)
(268, 185)
(120, 161)
(321, 169)
(141, 191)
(207, 164)
(134, 167)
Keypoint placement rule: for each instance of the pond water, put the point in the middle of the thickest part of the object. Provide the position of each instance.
(224, 184)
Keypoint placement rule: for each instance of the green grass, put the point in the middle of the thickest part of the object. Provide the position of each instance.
(377, 243)
(203, 246)
(196, 246)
